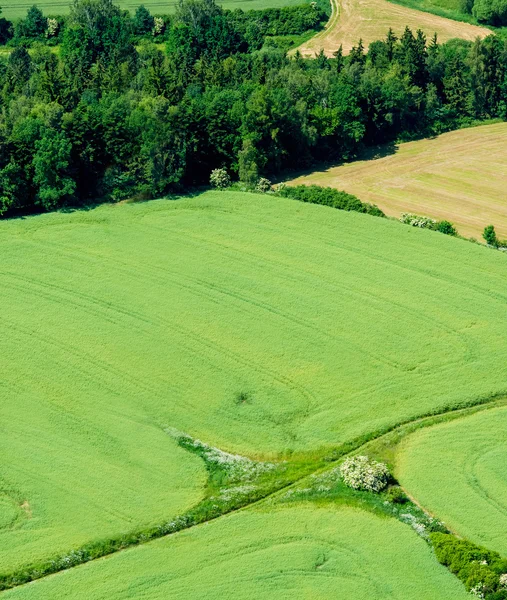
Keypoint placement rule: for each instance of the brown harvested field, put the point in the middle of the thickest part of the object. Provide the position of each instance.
(460, 176)
(371, 19)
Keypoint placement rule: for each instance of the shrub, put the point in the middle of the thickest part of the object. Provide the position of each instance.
(446, 227)
(159, 26)
(396, 495)
(489, 235)
(362, 473)
(263, 185)
(417, 221)
(53, 27)
(428, 223)
(220, 179)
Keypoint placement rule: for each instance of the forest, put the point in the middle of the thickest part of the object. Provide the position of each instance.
(106, 112)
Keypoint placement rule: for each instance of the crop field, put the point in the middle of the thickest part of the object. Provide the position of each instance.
(304, 551)
(459, 176)
(370, 20)
(457, 470)
(205, 316)
(12, 9)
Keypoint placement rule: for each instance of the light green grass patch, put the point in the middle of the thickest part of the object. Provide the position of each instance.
(122, 321)
(301, 552)
(457, 470)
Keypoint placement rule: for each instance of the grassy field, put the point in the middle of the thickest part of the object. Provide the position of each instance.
(459, 176)
(457, 470)
(207, 316)
(370, 20)
(12, 9)
(302, 552)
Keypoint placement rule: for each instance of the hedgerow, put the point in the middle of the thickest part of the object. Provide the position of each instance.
(480, 569)
(327, 196)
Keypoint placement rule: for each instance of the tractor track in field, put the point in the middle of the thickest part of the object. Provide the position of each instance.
(28, 574)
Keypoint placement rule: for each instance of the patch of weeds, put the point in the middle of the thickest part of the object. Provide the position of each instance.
(243, 398)
(232, 468)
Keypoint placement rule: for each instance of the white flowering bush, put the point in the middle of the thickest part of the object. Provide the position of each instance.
(159, 27)
(362, 473)
(53, 27)
(478, 591)
(503, 580)
(417, 221)
(237, 467)
(263, 185)
(220, 179)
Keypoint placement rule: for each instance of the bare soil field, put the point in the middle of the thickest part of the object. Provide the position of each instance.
(370, 20)
(460, 176)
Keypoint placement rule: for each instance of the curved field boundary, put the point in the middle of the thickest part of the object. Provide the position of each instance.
(457, 470)
(370, 20)
(375, 444)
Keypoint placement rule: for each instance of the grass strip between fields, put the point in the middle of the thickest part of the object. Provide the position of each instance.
(271, 484)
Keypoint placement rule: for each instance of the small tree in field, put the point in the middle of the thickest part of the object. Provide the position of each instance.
(489, 235)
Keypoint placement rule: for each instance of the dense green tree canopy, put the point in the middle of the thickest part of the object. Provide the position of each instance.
(112, 116)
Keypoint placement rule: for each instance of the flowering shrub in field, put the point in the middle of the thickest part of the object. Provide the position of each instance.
(362, 473)
(220, 179)
(503, 580)
(428, 223)
(263, 185)
(417, 221)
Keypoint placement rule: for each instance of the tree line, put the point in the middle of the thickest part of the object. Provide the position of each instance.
(255, 25)
(107, 118)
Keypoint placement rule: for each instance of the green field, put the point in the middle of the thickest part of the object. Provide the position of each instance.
(12, 9)
(458, 471)
(124, 320)
(304, 552)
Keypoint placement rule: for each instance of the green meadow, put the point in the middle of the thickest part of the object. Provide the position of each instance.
(457, 470)
(304, 552)
(205, 316)
(12, 9)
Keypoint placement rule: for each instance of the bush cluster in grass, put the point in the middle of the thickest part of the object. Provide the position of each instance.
(363, 473)
(481, 570)
(445, 227)
(327, 196)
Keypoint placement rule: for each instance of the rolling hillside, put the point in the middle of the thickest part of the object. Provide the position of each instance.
(302, 551)
(259, 325)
